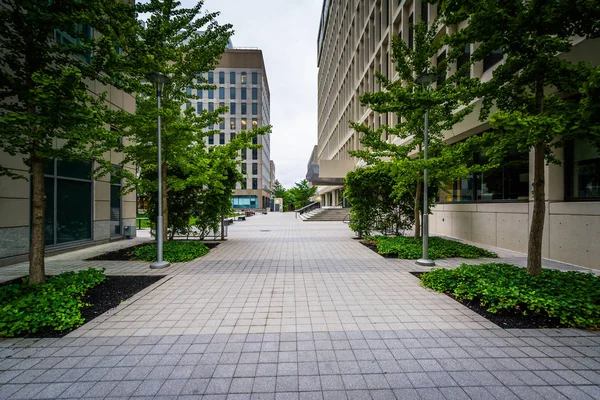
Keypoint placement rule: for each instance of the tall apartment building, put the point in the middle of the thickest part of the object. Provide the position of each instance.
(241, 80)
(493, 208)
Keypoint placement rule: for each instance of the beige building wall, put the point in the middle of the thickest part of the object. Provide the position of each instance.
(353, 43)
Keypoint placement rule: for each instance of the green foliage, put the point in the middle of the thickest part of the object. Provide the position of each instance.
(412, 248)
(301, 193)
(573, 297)
(173, 251)
(53, 305)
(279, 192)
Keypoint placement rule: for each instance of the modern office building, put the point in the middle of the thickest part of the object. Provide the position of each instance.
(242, 85)
(493, 208)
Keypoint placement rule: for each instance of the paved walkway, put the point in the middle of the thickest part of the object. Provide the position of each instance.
(293, 310)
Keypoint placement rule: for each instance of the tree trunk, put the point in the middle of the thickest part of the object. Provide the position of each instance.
(417, 210)
(536, 233)
(165, 206)
(38, 222)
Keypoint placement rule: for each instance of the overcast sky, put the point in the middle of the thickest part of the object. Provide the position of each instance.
(286, 32)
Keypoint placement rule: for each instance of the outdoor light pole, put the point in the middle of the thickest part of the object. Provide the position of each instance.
(425, 79)
(159, 80)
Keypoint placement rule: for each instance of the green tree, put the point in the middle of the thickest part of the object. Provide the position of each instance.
(536, 90)
(280, 192)
(50, 51)
(445, 104)
(301, 193)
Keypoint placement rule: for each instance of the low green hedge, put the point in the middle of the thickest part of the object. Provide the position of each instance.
(410, 248)
(173, 251)
(53, 305)
(573, 297)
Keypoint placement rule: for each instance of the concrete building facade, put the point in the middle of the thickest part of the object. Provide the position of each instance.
(494, 208)
(242, 85)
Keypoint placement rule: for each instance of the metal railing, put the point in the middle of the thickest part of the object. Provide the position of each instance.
(308, 208)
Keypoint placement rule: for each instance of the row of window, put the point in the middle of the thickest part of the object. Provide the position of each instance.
(232, 77)
(244, 202)
(232, 107)
(244, 186)
(254, 168)
(232, 93)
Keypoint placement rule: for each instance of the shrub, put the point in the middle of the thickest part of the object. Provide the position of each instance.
(173, 251)
(572, 297)
(53, 305)
(411, 248)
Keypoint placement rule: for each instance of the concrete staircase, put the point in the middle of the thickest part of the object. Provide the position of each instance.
(326, 214)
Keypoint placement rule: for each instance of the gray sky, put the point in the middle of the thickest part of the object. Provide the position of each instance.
(286, 31)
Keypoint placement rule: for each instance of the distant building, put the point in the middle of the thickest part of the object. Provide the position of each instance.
(241, 80)
(272, 165)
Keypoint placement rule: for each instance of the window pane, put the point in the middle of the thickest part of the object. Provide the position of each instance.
(463, 60)
(244, 93)
(254, 183)
(232, 93)
(211, 106)
(255, 78)
(232, 108)
(222, 124)
(115, 209)
(221, 78)
(75, 169)
(582, 165)
(243, 168)
(492, 59)
(243, 78)
(49, 226)
(211, 139)
(255, 154)
(254, 93)
(222, 138)
(244, 123)
(199, 93)
(244, 110)
(221, 93)
(199, 107)
(232, 78)
(254, 123)
(231, 136)
(73, 210)
(411, 32)
(232, 123)
(254, 168)
(211, 77)
(254, 108)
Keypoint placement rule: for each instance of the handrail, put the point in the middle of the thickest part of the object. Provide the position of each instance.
(310, 207)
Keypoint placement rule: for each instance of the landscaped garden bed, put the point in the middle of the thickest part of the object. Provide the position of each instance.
(173, 251)
(410, 248)
(510, 297)
(63, 302)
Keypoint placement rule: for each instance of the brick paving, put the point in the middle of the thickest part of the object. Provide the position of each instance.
(292, 310)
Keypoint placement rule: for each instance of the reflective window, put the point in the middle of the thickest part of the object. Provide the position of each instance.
(231, 123)
(244, 96)
(199, 93)
(211, 139)
(254, 108)
(211, 106)
(199, 107)
(255, 78)
(221, 93)
(255, 154)
(222, 138)
(254, 183)
(464, 60)
(254, 93)
(243, 78)
(244, 171)
(232, 108)
(221, 78)
(492, 59)
(244, 124)
(232, 93)
(254, 168)
(582, 170)
(244, 201)
(232, 78)
(211, 77)
(222, 124)
(254, 123)
(211, 94)
(244, 109)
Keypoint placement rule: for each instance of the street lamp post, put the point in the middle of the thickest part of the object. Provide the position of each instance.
(159, 80)
(425, 80)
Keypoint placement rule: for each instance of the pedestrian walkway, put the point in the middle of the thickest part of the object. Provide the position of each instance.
(291, 310)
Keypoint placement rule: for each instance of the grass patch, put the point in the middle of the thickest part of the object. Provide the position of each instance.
(173, 251)
(572, 297)
(54, 305)
(410, 248)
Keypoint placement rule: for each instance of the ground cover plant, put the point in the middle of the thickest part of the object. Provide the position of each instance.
(412, 248)
(573, 298)
(54, 305)
(173, 251)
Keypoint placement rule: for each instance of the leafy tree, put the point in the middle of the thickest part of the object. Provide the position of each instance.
(280, 192)
(446, 104)
(50, 50)
(536, 90)
(301, 193)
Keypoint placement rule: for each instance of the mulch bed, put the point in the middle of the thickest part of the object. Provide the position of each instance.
(508, 320)
(126, 254)
(373, 246)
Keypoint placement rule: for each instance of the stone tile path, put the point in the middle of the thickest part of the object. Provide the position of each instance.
(292, 310)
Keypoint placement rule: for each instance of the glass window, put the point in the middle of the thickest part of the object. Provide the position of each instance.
(254, 183)
(255, 154)
(115, 206)
(222, 138)
(211, 94)
(441, 64)
(254, 140)
(254, 123)
(73, 210)
(582, 170)
(425, 12)
(211, 77)
(232, 123)
(199, 93)
(255, 78)
(492, 59)
(199, 107)
(188, 91)
(243, 186)
(232, 107)
(254, 108)
(222, 124)
(411, 32)
(211, 139)
(231, 136)
(463, 60)
(254, 168)
(211, 106)
(244, 110)
(243, 154)
(232, 93)
(254, 93)
(244, 171)
(244, 95)
(221, 78)
(188, 104)
(232, 78)
(221, 104)
(221, 93)
(243, 78)
(244, 124)
(74, 169)
(49, 226)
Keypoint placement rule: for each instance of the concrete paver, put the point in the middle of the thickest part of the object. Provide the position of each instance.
(285, 309)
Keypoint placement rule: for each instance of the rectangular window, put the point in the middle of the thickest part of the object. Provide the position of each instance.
(211, 77)
(232, 78)
(244, 110)
(582, 170)
(232, 93)
(254, 183)
(255, 78)
(211, 139)
(221, 104)
(222, 124)
(425, 12)
(232, 108)
(221, 93)
(463, 61)
(199, 93)
(243, 154)
(254, 108)
(255, 154)
(188, 91)
(411, 32)
(492, 59)
(199, 107)
(188, 105)
(254, 93)
(211, 106)
(244, 124)
(231, 123)
(254, 140)
(221, 78)
(211, 94)
(243, 78)
(244, 170)
(441, 68)
(231, 136)
(243, 186)
(254, 123)
(244, 96)
(222, 138)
